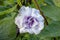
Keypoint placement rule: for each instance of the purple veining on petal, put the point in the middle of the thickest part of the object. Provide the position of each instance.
(28, 17)
(29, 21)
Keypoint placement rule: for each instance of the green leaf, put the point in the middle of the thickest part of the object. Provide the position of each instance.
(52, 30)
(2, 8)
(52, 12)
(11, 15)
(8, 11)
(26, 36)
(7, 29)
(47, 38)
(9, 2)
(57, 2)
(32, 37)
(49, 2)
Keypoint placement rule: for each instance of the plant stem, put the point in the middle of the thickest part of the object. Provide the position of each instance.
(38, 7)
(19, 3)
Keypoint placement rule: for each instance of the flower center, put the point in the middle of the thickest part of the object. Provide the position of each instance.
(29, 21)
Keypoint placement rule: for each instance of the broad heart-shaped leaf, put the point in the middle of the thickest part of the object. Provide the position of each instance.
(52, 30)
(52, 12)
(7, 29)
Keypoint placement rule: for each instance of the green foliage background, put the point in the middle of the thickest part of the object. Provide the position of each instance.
(9, 10)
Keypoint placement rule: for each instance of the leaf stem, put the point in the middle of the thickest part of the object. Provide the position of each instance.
(38, 7)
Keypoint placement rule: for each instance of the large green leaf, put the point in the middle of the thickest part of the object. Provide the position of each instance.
(49, 2)
(57, 2)
(7, 29)
(52, 30)
(52, 12)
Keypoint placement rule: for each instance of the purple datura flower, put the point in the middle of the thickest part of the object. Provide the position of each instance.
(29, 20)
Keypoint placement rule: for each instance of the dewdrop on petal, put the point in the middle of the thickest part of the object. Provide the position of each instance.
(29, 20)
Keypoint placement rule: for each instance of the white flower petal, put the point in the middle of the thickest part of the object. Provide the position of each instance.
(41, 25)
(30, 31)
(25, 11)
(35, 13)
(37, 29)
(22, 30)
(18, 21)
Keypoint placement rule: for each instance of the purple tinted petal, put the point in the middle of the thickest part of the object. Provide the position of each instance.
(29, 21)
